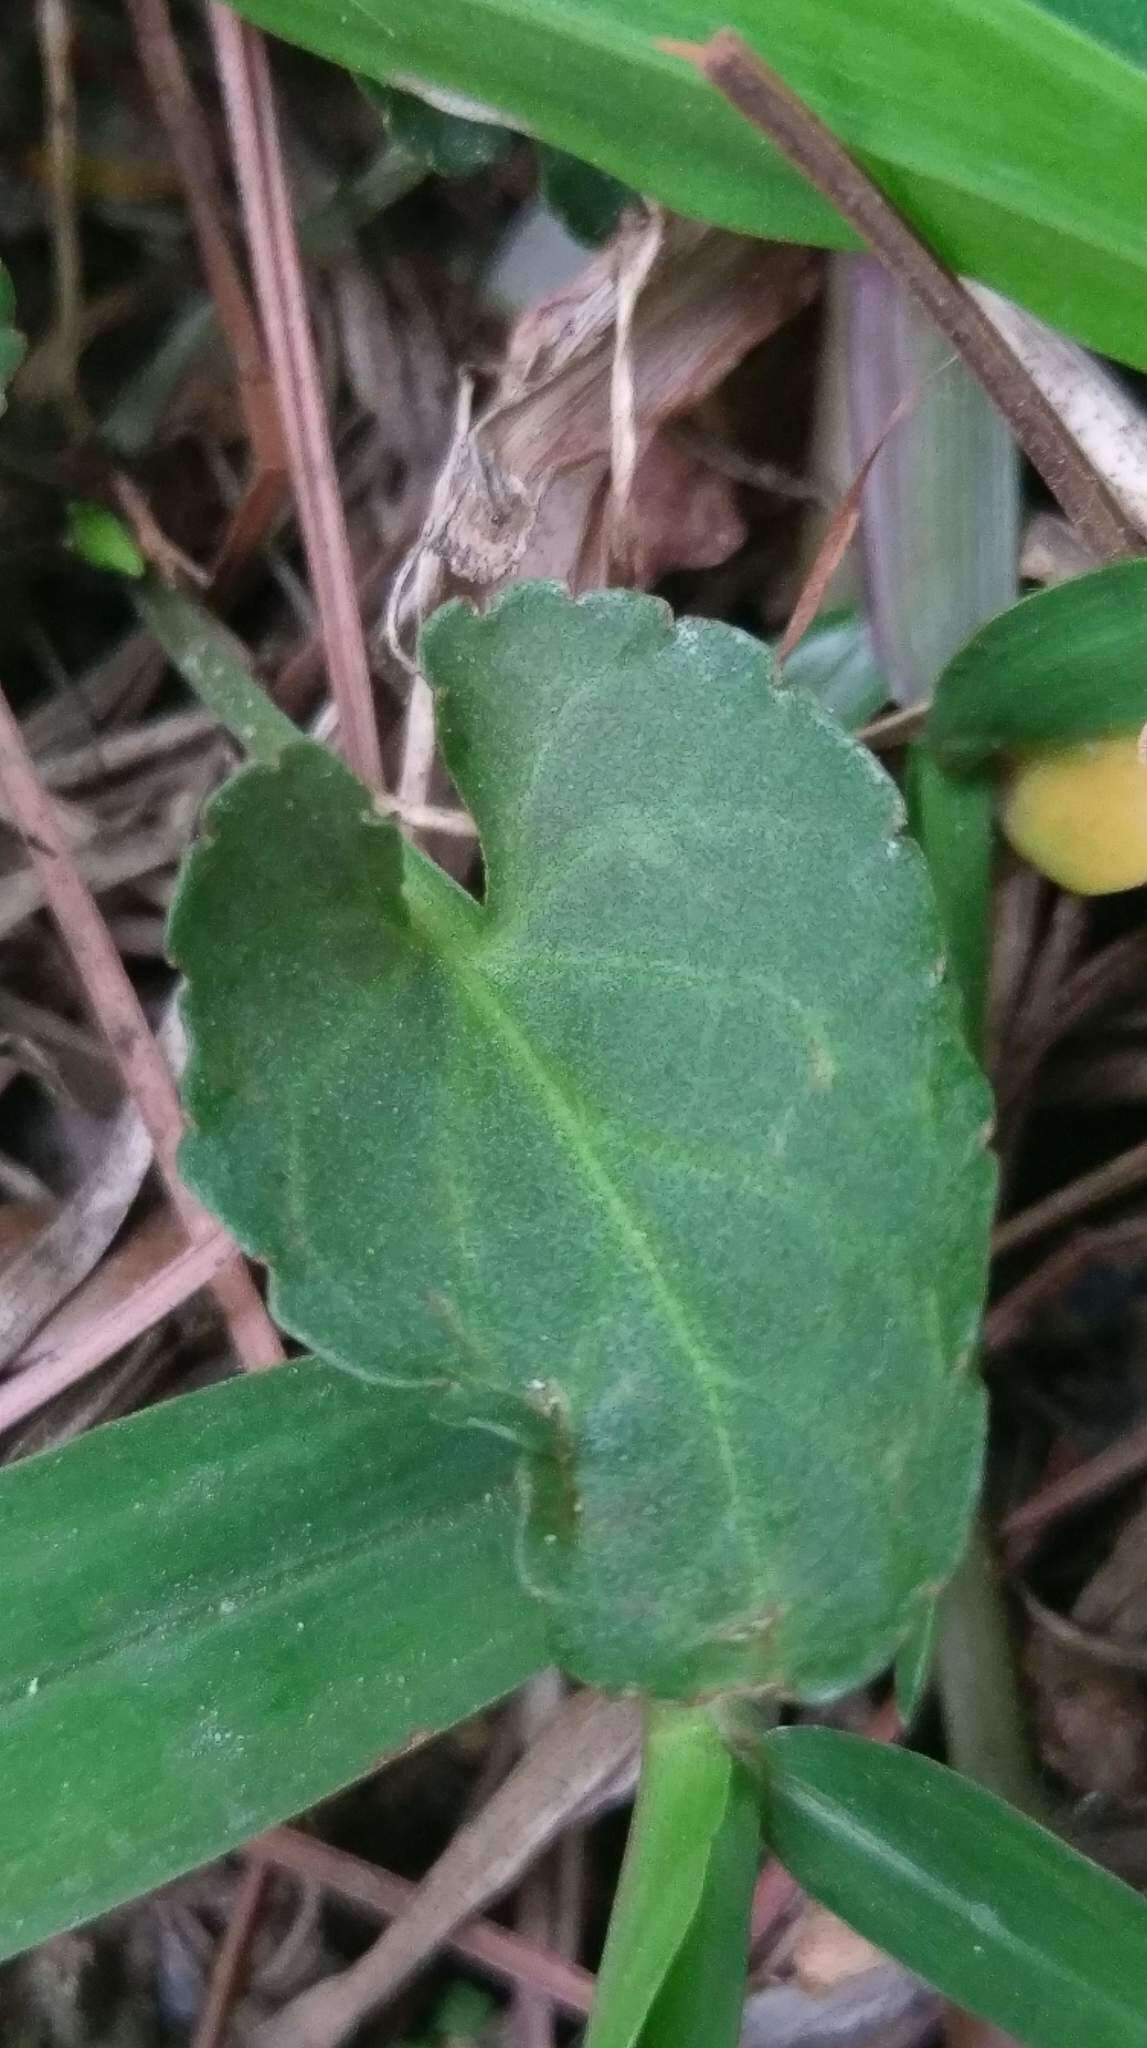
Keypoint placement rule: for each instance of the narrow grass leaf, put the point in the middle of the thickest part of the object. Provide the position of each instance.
(13, 346)
(217, 667)
(998, 1914)
(702, 1998)
(1049, 209)
(939, 526)
(681, 1811)
(226, 1608)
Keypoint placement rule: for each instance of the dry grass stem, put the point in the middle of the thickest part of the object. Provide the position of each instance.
(772, 107)
(581, 1753)
(231, 1960)
(249, 99)
(60, 359)
(56, 1363)
(490, 1948)
(116, 1006)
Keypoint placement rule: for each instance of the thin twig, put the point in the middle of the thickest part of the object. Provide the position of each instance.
(54, 1366)
(119, 1012)
(1090, 1481)
(190, 145)
(769, 477)
(895, 728)
(1117, 1176)
(54, 22)
(532, 2021)
(231, 1960)
(108, 755)
(505, 1956)
(580, 1755)
(772, 107)
(249, 99)
(1008, 1317)
(838, 538)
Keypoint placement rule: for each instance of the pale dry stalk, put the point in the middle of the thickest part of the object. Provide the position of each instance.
(119, 1013)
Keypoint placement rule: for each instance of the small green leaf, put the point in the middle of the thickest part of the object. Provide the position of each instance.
(588, 202)
(215, 665)
(836, 664)
(569, 1159)
(103, 540)
(1069, 663)
(683, 1796)
(447, 143)
(991, 1909)
(13, 347)
(1048, 208)
(223, 1610)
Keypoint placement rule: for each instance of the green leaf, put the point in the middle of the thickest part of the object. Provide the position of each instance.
(1048, 208)
(102, 539)
(216, 666)
(588, 202)
(13, 347)
(1121, 23)
(1069, 663)
(701, 2002)
(447, 143)
(667, 1161)
(995, 1912)
(225, 1609)
(836, 664)
(687, 1776)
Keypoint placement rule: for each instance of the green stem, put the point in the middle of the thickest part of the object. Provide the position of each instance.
(700, 2004)
(673, 1972)
(979, 1695)
(984, 1719)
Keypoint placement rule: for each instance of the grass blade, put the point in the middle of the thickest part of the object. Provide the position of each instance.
(1048, 209)
(686, 1776)
(991, 1909)
(225, 1609)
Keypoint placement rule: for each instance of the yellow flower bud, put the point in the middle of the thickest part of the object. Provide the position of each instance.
(1079, 814)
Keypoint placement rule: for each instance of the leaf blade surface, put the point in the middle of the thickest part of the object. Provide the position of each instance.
(225, 1609)
(989, 1907)
(595, 1162)
(1048, 209)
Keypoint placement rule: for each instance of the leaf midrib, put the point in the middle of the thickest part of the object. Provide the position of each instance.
(433, 911)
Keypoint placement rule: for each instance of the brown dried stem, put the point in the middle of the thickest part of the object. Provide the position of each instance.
(119, 1013)
(55, 1364)
(772, 107)
(281, 292)
(231, 1960)
(191, 151)
(508, 1957)
(54, 22)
